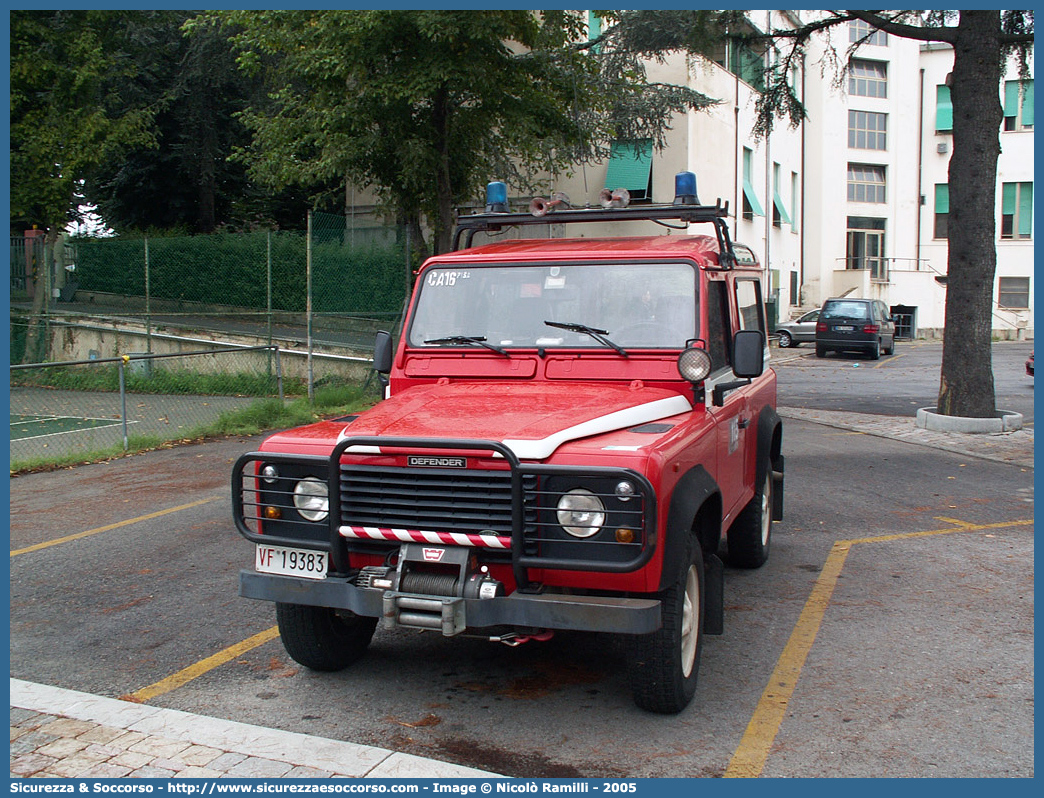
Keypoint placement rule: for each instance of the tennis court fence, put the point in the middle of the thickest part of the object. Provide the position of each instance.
(82, 407)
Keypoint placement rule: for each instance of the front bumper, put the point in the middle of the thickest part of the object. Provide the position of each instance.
(555, 611)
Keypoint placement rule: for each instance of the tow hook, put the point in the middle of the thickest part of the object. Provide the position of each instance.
(514, 639)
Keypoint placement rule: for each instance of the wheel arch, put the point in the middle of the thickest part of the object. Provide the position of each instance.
(695, 508)
(770, 455)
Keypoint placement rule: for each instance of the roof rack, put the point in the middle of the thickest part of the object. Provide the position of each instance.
(615, 209)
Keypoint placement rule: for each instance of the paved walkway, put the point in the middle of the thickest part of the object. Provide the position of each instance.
(63, 733)
(58, 733)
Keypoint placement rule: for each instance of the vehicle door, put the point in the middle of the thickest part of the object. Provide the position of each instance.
(887, 325)
(805, 327)
(733, 418)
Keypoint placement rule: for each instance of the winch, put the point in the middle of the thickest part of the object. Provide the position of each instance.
(428, 587)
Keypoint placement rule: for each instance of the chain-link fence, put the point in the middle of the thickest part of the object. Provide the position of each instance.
(85, 407)
(326, 289)
(148, 308)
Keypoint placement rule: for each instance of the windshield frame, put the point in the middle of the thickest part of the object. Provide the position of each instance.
(555, 339)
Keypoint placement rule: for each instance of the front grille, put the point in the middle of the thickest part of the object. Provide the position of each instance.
(442, 500)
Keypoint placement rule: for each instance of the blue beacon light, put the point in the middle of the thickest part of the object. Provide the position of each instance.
(685, 189)
(496, 197)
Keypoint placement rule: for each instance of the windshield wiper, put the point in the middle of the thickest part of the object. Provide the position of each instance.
(594, 332)
(464, 340)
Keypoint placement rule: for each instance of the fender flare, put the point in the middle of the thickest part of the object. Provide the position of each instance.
(691, 492)
(769, 455)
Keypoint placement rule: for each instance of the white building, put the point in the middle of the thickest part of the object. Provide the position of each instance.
(854, 200)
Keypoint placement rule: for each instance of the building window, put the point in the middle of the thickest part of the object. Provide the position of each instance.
(866, 183)
(867, 130)
(861, 31)
(748, 63)
(1014, 292)
(794, 201)
(779, 209)
(751, 205)
(1018, 105)
(867, 78)
(943, 109)
(866, 246)
(1016, 210)
(630, 167)
(942, 210)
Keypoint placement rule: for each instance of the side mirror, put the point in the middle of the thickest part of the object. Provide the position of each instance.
(748, 353)
(382, 352)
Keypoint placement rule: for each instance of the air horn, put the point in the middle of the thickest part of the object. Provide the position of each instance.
(541, 207)
(615, 199)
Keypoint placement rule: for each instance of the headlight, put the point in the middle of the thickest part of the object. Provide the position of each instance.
(312, 499)
(581, 513)
(694, 364)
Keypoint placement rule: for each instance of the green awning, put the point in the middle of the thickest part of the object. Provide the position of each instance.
(630, 165)
(778, 202)
(752, 198)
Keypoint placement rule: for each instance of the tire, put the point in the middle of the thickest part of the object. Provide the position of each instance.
(890, 350)
(750, 536)
(664, 664)
(875, 350)
(322, 638)
(820, 351)
(785, 340)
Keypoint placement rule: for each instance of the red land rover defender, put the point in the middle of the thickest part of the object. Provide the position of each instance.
(572, 430)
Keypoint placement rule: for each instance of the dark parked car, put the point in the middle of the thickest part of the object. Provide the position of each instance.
(859, 325)
(1029, 365)
(799, 330)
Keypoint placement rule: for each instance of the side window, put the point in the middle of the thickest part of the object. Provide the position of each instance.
(718, 329)
(748, 301)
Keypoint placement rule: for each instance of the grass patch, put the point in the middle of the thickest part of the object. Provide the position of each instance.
(106, 379)
(260, 416)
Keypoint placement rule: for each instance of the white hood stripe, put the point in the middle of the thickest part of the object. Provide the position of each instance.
(621, 419)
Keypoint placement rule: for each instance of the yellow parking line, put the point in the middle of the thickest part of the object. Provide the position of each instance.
(117, 525)
(749, 759)
(186, 675)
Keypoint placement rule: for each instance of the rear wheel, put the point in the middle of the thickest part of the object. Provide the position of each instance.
(665, 663)
(891, 349)
(820, 351)
(751, 533)
(322, 638)
(785, 340)
(875, 350)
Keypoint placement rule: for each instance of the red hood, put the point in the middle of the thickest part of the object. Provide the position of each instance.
(533, 419)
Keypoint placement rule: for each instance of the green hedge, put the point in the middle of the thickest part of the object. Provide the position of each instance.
(231, 269)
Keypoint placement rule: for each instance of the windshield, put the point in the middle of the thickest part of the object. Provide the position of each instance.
(634, 304)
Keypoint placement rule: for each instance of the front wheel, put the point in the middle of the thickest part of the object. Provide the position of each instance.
(322, 638)
(665, 663)
(751, 533)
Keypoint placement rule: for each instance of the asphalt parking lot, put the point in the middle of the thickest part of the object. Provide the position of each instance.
(890, 633)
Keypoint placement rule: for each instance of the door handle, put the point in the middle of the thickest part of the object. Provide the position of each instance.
(744, 423)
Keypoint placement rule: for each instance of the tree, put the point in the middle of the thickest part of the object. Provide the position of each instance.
(67, 115)
(982, 41)
(425, 106)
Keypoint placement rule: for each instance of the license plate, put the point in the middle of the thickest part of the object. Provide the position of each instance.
(844, 328)
(291, 562)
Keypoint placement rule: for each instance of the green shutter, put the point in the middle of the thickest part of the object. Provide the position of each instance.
(1027, 104)
(943, 108)
(1026, 210)
(1011, 98)
(1008, 192)
(629, 167)
(942, 198)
